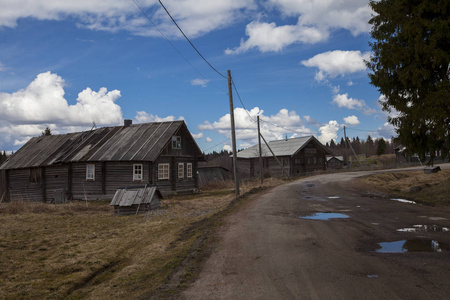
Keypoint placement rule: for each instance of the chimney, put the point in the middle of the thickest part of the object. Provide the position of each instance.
(127, 122)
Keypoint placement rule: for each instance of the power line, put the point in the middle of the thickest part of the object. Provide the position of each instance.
(190, 40)
(240, 100)
(279, 126)
(173, 46)
(223, 142)
(372, 130)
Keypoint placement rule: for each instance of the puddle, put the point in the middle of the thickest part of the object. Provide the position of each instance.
(325, 216)
(310, 185)
(372, 276)
(415, 245)
(333, 197)
(404, 201)
(425, 228)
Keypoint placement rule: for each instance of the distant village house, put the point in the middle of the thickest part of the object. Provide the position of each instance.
(297, 156)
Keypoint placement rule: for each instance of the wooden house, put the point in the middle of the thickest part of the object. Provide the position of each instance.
(297, 156)
(93, 164)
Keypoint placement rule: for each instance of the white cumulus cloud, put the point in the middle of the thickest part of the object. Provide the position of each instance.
(144, 117)
(199, 81)
(316, 19)
(197, 135)
(335, 63)
(196, 17)
(351, 120)
(270, 37)
(328, 132)
(273, 127)
(344, 101)
(27, 112)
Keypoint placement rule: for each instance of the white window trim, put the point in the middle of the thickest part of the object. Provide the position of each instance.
(163, 171)
(88, 177)
(189, 170)
(180, 170)
(138, 176)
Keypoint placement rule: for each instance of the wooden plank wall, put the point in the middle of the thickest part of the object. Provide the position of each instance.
(120, 174)
(56, 178)
(22, 188)
(83, 189)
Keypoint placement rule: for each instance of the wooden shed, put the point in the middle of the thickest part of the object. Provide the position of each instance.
(297, 156)
(210, 174)
(335, 162)
(134, 200)
(92, 164)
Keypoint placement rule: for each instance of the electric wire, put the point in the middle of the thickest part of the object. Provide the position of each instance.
(239, 97)
(367, 130)
(223, 142)
(190, 40)
(173, 46)
(219, 73)
(279, 126)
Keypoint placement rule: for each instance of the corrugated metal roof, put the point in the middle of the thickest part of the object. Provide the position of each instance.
(280, 148)
(139, 142)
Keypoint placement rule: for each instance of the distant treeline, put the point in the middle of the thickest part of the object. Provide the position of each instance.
(369, 147)
(3, 157)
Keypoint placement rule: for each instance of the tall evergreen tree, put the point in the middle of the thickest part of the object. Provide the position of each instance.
(410, 65)
(381, 146)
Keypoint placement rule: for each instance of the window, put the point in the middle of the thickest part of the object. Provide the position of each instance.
(176, 142)
(163, 171)
(137, 172)
(90, 172)
(189, 170)
(180, 170)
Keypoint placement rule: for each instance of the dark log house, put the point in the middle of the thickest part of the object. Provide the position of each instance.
(93, 164)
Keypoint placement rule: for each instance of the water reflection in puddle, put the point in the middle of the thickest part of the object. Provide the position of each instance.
(425, 228)
(325, 216)
(404, 201)
(415, 245)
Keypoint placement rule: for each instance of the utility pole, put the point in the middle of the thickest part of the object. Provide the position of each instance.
(346, 149)
(233, 135)
(260, 152)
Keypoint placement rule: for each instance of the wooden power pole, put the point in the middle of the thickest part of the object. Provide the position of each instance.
(260, 153)
(233, 135)
(346, 148)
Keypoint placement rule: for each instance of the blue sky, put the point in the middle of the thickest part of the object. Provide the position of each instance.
(298, 64)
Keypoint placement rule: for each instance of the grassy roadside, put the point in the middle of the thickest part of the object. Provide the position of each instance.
(83, 251)
(428, 189)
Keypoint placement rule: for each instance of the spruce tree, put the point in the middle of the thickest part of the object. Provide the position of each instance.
(410, 66)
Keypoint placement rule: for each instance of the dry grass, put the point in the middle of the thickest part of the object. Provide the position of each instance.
(81, 250)
(434, 188)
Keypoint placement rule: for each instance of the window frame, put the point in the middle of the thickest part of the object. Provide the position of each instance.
(138, 176)
(189, 170)
(90, 170)
(162, 171)
(180, 171)
(176, 142)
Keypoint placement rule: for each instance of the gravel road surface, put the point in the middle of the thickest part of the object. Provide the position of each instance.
(269, 250)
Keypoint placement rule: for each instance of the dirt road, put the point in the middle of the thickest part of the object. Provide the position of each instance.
(267, 249)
